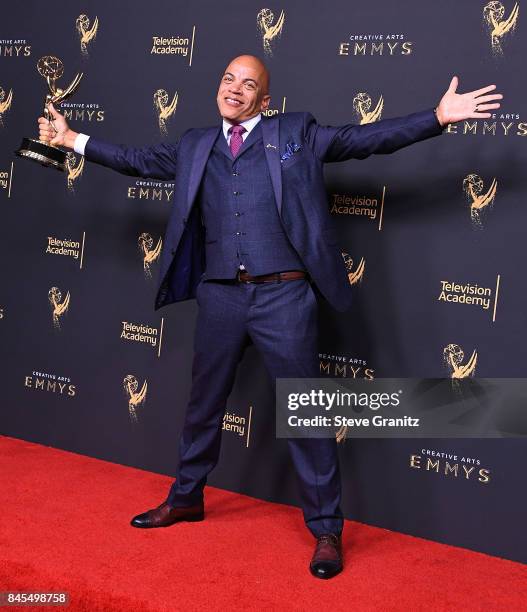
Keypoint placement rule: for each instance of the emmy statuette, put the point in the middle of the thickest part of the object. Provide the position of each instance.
(51, 68)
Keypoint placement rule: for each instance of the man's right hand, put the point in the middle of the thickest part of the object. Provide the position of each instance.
(62, 135)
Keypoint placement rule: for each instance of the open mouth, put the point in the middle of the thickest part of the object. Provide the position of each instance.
(233, 102)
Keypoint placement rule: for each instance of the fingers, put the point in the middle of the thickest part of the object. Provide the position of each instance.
(453, 85)
(55, 114)
(46, 132)
(485, 107)
(479, 92)
(489, 98)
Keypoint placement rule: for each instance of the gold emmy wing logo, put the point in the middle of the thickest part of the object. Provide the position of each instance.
(86, 34)
(5, 103)
(354, 276)
(479, 201)
(269, 32)
(58, 307)
(164, 110)
(362, 104)
(493, 14)
(149, 254)
(135, 398)
(453, 356)
(74, 169)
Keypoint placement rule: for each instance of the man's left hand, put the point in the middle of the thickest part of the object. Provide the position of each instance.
(472, 105)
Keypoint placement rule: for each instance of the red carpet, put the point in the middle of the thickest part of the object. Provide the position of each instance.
(64, 527)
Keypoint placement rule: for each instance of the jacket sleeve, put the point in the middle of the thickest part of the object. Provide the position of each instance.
(157, 162)
(333, 144)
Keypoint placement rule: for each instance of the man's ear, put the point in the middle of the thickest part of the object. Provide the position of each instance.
(266, 100)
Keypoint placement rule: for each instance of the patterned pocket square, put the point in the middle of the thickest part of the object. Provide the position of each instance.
(290, 149)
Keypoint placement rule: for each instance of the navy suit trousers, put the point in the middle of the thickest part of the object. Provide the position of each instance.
(281, 320)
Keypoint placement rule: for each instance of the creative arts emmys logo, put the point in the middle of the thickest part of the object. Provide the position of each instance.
(362, 104)
(454, 465)
(82, 111)
(50, 383)
(453, 357)
(268, 30)
(135, 397)
(74, 169)
(164, 109)
(344, 367)
(151, 190)
(375, 45)
(86, 34)
(503, 124)
(58, 308)
(149, 254)
(354, 276)
(479, 202)
(14, 48)
(493, 14)
(5, 103)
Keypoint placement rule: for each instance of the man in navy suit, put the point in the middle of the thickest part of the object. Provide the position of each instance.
(250, 237)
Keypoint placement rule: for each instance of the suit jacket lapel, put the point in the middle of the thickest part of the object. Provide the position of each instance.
(271, 144)
(201, 155)
(221, 144)
(252, 138)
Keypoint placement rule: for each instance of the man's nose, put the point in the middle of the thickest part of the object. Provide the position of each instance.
(235, 88)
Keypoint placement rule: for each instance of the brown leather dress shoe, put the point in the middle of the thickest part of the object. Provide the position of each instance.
(327, 558)
(164, 515)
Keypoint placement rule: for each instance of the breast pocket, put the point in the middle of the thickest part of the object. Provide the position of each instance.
(294, 159)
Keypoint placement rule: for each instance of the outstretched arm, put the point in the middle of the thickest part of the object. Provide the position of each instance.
(157, 162)
(331, 144)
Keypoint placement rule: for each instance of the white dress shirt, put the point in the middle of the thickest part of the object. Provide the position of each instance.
(80, 143)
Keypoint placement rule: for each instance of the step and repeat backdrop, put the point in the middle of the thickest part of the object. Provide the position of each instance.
(433, 238)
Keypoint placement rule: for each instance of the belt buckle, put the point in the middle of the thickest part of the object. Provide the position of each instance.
(240, 279)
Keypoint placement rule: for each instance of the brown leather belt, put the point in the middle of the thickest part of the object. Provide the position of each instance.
(245, 277)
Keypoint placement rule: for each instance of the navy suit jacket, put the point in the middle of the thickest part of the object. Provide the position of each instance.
(298, 186)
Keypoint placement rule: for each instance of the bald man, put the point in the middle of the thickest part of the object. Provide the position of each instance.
(251, 238)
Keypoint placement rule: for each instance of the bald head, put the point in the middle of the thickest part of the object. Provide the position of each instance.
(253, 63)
(244, 89)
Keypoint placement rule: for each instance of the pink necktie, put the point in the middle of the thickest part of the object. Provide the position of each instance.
(236, 138)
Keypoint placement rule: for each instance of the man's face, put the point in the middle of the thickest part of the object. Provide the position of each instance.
(242, 93)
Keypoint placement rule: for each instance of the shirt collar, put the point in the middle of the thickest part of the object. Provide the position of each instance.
(248, 124)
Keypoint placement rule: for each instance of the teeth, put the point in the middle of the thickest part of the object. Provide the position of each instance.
(232, 101)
